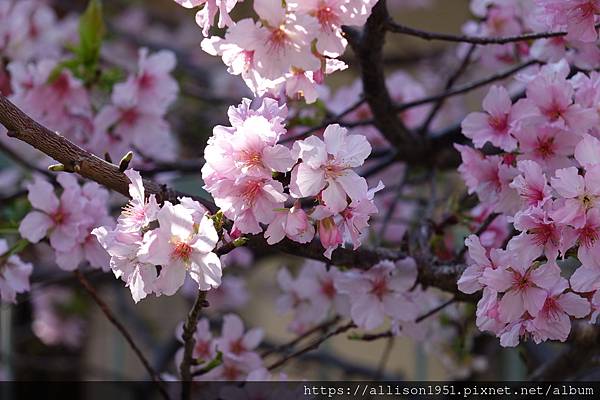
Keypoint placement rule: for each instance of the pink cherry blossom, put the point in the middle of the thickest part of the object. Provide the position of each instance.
(235, 342)
(139, 212)
(206, 16)
(587, 237)
(380, 292)
(316, 283)
(58, 218)
(532, 185)
(292, 223)
(547, 145)
(284, 41)
(489, 177)
(580, 193)
(524, 287)
(470, 280)
(14, 274)
(178, 246)
(153, 81)
(294, 299)
(539, 232)
(578, 15)
(554, 322)
(123, 249)
(328, 165)
(494, 126)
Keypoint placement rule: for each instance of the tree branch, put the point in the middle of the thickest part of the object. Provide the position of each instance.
(313, 345)
(113, 320)
(584, 345)
(189, 329)
(405, 30)
(369, 50)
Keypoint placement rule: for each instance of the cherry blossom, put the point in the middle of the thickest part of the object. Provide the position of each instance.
(179, 245)
(58, 218)
(14, 274)
(579, 16)
(380, 292)
(328, 165)
(206, 15)
(497, 123)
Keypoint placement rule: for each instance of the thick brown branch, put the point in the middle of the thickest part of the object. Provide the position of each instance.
(368, 47)
(73, 157)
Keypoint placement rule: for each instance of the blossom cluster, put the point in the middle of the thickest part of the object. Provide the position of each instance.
(105, 116)
(388, 289)
(239, 359)
(246, 164)
(505, 18)
(153, 248)
(132, 118)
(289, 48)
(67, 220)
(545, 179)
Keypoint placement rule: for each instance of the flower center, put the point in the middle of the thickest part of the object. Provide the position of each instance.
(328, 289)
(379, 288)
(326, 17)
(498, 124)
(202, 349)
(181, 251)
(237, 347)
(58, 217)
(130, 116)
(333, 171)
(545, 147)
(278, 39)
(542, 234)
(521, 281)
(146, 81)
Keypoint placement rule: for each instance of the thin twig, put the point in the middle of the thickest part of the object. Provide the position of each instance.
(113, 320)
(398, 28)
(449, 83)
(385, 356)
(313, 345)
(370, 337)
(189, 341)
(286, 346)
(466, 88)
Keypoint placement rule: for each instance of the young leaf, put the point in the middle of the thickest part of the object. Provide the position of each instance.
(91, 33)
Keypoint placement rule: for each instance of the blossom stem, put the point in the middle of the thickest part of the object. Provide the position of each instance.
(313, 345)
(189, 329)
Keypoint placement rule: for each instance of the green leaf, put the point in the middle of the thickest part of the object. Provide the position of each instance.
(91, 33)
